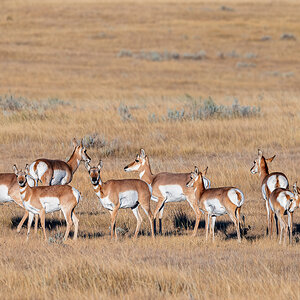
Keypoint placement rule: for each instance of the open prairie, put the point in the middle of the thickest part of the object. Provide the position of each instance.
(130, 74)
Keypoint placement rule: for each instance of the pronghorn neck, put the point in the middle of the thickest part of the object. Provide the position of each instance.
(74, 161)
(24, 190)
(264, 170)
(199, 188)
(146, 174)
(98, 187)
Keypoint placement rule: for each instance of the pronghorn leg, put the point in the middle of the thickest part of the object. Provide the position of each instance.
(276, 224)
(160, 202)
(207, 219)
(290, 225)
(237, 226)
(238, 216)
(75, 221)
(138, 220)
(42, 217)
(283, 227)
(22, 221)
(271, 223)
(161, 212)
(68, 216)
(197, 211)
(36, 223)
(148, 212)
(113, 222)
(30, 218)
(268, 217)
(213, 222)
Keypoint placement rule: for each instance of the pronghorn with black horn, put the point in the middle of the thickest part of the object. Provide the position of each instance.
(58, 172)
(10, 192)
(41, 200)
(216, 202)
(166, 187)
(125, 193)
(269, 182)
(283, 201)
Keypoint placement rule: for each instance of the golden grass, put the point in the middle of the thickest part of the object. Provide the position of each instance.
(69, 50)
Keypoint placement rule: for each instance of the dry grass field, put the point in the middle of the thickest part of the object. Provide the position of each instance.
(121, 74)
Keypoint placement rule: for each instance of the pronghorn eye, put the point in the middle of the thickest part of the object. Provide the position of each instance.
(137, 160)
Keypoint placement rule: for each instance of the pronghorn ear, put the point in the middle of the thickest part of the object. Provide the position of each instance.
(205, 171)
(142, 153)
(196, 170)
(100, 165)
(27, 169)
(74, 142)
(87, 165)
(295, 190)
(81, 144)
(270, 159)
(260, 154)
(15, 169)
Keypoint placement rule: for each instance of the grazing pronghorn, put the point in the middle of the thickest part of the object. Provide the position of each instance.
(216, 202)
(282, 202)
(10, 192)
(41, 200)
(58, 172)
(125, 193)
(269, 182)
(166, 187)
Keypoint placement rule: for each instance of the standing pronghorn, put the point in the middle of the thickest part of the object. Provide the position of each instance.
(125, 193)
(166, 187)
(269, 182)
(217, 202)
(282, 202)
(10, 192)
(54, 172)
(41, 200)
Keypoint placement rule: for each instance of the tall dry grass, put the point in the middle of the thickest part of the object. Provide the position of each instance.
(70, 50)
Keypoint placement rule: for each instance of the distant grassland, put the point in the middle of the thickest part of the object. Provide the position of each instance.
(64, 77)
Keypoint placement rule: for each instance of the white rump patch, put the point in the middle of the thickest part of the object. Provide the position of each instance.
(59, 177)
(50, 204)
(76, 194)
(282, 199)
(272, 181)
(172, 192)
(233, 197)
(4, 197)
(264, 192)
(128, 199)
(41, 169)
(214, 207)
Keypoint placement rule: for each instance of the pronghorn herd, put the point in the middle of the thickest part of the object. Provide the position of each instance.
(55, 194)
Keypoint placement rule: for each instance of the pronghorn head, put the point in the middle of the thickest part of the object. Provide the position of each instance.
(94, 172)
(195, 176)
(21, 175)
(296, 200)
(260, 162)
(138, 163)
(80, 151)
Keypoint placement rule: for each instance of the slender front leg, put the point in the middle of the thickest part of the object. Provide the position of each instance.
(138, 221)
(207, 218)
(36, 223)
(75, 221)
(30, 218)
(42, 217)
(213, 222)
(22, 221)
(197, 211)
(290, 224)
(113, 222)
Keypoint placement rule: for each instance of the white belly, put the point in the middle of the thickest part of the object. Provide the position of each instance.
(172, 192)
(4, 197)
(106, 203)
(214, 207)
(58, 177)
(50, 204)
(128, 199)
(30, 208)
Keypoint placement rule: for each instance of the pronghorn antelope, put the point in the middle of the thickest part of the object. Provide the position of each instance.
(125, 193)
(45, 199)
(269, 182)
(166, 187)
(216, 202)
(282, 201)
(10, 192)
(55, 172)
